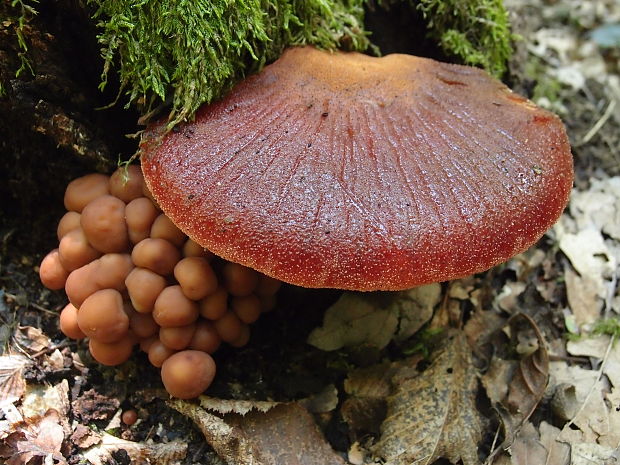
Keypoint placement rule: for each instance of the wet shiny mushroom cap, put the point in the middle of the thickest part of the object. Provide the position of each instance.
(347, 171)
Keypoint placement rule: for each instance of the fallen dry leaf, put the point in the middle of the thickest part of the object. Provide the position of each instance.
(376, 318)
(530, 379)
(376, 381)
(322, 402)
(363, 415)
(534, 446)
(516, 389)
(599, 206)
(139, 453)
(596, 266)
(482, 326)
(368, 388)
(587, 453)
(597, 347)
(84, 437)
(38, 399)
(508, 297)
(39, 437)
(434, 414)
(526, 448)
(612, 437)
(31, 339)
(12, 383)
(592, 416)
(415, 307)
(584, 299)
(284, 434)
(355, 320)
(241, 407)
(54, 361)
(496, 380)
(558, 452)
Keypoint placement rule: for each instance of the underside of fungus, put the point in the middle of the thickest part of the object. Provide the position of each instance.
(347, 171)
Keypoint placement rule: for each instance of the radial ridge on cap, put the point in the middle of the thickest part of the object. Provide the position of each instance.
(346, 171)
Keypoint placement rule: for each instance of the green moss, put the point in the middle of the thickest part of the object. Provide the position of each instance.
(25, 13)
(477, 31)
(18, 14)
(186, 52)
(422, 342)
(608, 326)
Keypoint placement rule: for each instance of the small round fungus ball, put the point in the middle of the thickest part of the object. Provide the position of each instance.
(103, 221)
(113, 353)
(173, 309)
(144, 286)
(158, 353)
(247, 308)
(243, 338)
(68, 222)
(238, 279)
(196, 277)
(129, 417)
(145, 344)
(81, 191)
(112, 270)
(229, 327)
(267, 285)
(267, 303)
(205, 337)
(126, 183)
(51, 272)
(157, 255)
(82, 283)
(143, 325)
(140, 214)
(214, 306)
(102, 316)
(193, 249)
(188, 373)
(177, 338)
(75, 251)
(149, 195)
(69, 324)
(164, 228)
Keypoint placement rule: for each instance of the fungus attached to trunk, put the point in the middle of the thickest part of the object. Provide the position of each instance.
(346, 171)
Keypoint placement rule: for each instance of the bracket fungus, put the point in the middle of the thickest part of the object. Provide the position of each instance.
(347, 171)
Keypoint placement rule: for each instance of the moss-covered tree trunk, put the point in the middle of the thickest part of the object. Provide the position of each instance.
(50, 127)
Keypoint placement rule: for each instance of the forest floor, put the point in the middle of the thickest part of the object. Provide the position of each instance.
(524, 356)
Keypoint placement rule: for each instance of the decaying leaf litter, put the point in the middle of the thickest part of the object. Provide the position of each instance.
(514, 367)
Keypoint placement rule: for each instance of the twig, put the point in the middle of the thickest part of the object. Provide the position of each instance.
(568, 358)
(52, 348)
(599, 124)
(598, 378)
(36, 306)
(493, 447)
(585, 401)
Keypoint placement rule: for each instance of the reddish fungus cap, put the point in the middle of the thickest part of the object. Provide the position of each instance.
(347, 171)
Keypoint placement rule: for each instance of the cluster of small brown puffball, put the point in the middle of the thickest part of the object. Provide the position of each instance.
(132, 277)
